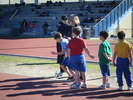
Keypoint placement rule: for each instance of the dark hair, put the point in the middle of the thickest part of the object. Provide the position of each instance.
(104, 34)
(121, 35)
(64, 18)
(58, 35)
(76, 31)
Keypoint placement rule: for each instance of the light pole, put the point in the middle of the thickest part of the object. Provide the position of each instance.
(9, 2)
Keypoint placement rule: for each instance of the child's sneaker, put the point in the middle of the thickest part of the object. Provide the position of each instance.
(107, 85)
(103, 86)
(120, 88)
(58, 75)
(83, 85)
(70, 79)
(75, 86)
(130, 88)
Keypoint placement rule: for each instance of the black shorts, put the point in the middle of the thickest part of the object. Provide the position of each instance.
(60, 58)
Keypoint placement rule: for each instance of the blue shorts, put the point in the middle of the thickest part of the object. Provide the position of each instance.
(77, 62)
(66, 62)
(105, 70)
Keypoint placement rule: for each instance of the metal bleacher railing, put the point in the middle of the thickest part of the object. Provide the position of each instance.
(112, 17)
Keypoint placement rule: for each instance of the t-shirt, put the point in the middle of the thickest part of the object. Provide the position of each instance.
(104, 47)
(76, 46)
(122, 49)
(64, 44)
(64, 29)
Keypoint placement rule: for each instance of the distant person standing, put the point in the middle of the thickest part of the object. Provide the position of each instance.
(24, 26)
(63, 29)
(74, 22)
(45, 28)
(63, 26)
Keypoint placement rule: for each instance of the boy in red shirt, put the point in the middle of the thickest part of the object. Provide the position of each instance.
(76, 47)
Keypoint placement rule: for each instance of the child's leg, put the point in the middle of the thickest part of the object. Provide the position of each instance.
(84, 77)
(105, 73)
(65, 70)
(71, 72)
(119, 76)
(127, 75)
(105, 79)
(77, 76)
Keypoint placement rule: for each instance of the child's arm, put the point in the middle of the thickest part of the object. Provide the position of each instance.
(114, 57)
(58, 53)
(107, 57)
(88, 53)
(130, 56)
(68, 52)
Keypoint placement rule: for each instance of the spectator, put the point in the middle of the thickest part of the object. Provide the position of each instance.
(45, 28)
(24, 26)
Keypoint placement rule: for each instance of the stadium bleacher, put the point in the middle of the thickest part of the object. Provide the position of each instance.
(89, 13)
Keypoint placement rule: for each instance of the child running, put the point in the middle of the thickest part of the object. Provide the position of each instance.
(122, 58)
(65, 62)
(76, 47)
(104, 55)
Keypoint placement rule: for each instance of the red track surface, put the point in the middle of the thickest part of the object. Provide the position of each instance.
(14, 87)
(37, 47)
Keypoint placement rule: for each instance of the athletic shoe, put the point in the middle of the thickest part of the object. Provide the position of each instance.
(103, 86)
(120, 88)
(75, 86)
(83, 85)
(70, 79)
(107, 85)
(130, 88)
(58, 75)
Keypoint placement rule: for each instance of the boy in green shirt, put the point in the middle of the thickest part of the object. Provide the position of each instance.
(104, 56)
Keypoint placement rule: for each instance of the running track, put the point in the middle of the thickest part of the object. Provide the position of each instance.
(38, 47)
(15, 87)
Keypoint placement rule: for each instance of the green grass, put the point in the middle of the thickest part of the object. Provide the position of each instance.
(37, 61)
(25, 60)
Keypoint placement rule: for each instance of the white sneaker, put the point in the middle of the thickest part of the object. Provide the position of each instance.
(84, 85)
(75, 86)
(120, 88)
(103, 86)
(130, 88)
(58, 75)
(107, 85)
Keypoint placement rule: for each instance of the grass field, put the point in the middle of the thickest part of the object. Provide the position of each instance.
(35, 67)
(32, 61)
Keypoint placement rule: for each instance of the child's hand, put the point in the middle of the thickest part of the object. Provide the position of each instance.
(54, 53)
(110, 59)
(114, 63)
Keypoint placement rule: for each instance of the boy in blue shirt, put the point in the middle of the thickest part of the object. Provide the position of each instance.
(65, 61)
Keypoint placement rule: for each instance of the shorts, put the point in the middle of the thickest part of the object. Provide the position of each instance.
(105, 71)
(60, 59)
(66, 62)
(77, 62)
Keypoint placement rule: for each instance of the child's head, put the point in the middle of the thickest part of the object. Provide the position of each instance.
(121, 35)
(76, 31)
(64, 19)
(103, 35)
(74, 20)
(58, 37)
